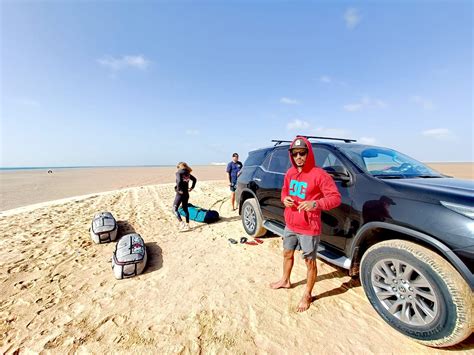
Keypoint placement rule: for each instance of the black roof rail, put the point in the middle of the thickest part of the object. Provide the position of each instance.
(346, 140)
(279, 141)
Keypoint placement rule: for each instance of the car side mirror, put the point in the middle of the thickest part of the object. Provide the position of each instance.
(338, 173)
(343, 178)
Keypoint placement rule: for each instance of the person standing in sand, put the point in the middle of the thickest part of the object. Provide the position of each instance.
(307, 190)
(233, 172)
(183, 175)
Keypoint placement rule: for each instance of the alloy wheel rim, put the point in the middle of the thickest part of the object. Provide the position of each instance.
(405, 292)
(250, 218)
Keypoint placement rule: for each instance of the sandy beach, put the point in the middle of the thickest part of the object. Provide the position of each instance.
(25, 187)
(199, 293)
(457, 170)
(100, 103)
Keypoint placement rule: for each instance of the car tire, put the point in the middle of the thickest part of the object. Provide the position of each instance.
(418, 293)
(252, 219)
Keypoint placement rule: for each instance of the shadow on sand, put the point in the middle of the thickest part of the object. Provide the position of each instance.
(155, 257)
(124, 228)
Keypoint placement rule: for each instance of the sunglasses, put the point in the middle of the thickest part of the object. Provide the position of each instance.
(301, 154)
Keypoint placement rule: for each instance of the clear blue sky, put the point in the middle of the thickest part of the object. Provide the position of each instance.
(132, 83)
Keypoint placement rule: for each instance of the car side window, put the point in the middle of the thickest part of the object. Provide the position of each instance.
(325, 158)
(279, 161)
(266, 162)
(256, 157)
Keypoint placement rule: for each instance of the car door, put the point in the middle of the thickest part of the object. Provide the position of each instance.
(336, 223)
(270, 181)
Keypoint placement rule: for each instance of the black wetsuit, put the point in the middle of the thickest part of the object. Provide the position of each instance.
(182, 192)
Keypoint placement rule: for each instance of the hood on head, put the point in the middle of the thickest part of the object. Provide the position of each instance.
(310, 162)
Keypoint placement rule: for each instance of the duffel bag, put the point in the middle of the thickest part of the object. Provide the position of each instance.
(199, 214)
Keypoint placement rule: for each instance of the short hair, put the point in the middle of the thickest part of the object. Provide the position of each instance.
(235, 155)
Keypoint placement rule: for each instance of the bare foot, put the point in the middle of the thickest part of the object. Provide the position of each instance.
(304, 303)
(280, 284)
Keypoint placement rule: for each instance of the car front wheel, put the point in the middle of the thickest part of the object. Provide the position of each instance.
(418, 292)
(252, 219)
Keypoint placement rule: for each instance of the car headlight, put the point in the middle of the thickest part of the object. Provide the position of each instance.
(467, 211)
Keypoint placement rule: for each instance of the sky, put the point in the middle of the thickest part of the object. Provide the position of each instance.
(87, 83)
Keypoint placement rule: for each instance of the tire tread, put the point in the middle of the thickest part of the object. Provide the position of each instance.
(456, 285)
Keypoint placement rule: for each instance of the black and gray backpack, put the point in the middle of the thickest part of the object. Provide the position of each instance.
(104, 228)
(129, 257)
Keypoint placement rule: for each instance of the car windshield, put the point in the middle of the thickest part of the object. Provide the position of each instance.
(388, 163)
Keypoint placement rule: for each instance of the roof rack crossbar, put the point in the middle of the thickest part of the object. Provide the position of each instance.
(346, 140)
(279, 141)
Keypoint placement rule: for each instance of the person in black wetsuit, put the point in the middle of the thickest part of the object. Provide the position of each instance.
(183, 175)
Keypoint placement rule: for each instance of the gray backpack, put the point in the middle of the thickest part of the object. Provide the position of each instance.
(104, 228)
(130, 256)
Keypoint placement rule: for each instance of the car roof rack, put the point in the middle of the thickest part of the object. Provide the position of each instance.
(279, 141)
(346, 140)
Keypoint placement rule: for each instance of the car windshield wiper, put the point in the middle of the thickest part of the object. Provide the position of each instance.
(387, 176)
(428, 176)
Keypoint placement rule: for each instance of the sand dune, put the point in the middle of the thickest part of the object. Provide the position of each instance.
(199, 292)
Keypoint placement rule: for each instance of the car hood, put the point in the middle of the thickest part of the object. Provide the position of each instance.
(448, 189)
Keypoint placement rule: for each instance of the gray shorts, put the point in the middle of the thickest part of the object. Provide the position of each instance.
(306, 243)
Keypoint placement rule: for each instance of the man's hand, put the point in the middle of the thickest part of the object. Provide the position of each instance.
(180, 192)
(306, 205)
(288, 202)
(190, 189)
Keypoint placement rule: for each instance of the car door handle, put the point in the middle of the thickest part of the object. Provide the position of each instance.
(257, 179)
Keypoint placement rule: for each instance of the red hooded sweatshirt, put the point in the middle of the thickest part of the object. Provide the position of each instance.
(311, 184)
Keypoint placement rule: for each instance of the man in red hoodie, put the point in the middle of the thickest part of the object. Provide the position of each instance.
(306, 192)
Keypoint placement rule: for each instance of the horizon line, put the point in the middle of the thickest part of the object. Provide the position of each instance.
(157, 165)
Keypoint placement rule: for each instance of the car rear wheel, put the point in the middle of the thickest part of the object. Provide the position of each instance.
(252, 219)
(418, 292)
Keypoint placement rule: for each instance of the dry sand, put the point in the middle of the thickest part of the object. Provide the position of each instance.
(25, 187)
(199, 293)
(457, 170)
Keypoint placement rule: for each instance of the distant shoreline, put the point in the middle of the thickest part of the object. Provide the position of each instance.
(96, 167)
(159, 166)
(447, 162)
(22, 187)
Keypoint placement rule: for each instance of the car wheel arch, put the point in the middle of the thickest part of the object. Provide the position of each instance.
(373, 232)
(245, 195)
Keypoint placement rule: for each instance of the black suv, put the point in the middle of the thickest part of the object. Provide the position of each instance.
(407, 230)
